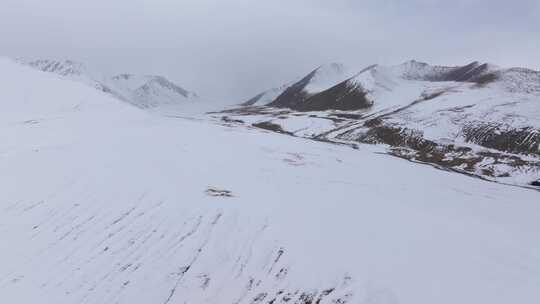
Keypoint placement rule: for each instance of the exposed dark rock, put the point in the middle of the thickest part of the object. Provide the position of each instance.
(282, 273)
(379, 133)
(254, 110)
(473, 72)
(348, 116)
(523, 140)
(536, 183)
(165, 83)
(429, 96)
(486, 78)
(306, 298)
(344, 96)
(411, 145)
(294, 95)
(342, 300)
(468, 73)
(259, 298)
(324, 294)
(349, 96)
(267, 125)
(287, 297)
(215, 192)
(227, 119)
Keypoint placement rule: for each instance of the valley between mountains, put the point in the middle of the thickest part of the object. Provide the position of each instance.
(477, 119)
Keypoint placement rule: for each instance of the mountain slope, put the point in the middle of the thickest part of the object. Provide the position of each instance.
(104, 203)
(320, 79)
(473, 72)
(141, 91)
(266, 97)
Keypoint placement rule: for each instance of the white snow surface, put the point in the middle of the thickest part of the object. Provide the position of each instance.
(105, 203)
(327, 76)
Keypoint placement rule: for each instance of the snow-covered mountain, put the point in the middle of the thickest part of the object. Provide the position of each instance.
(294, 92)
(144, 91)
(102, 202)
(151, 91)
(267, 96)
(477, 119)
(319, 80)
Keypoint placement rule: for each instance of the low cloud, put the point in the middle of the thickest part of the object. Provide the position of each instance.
(233, 49)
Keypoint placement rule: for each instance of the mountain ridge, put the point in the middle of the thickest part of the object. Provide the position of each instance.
(143, 91)
(292, 94)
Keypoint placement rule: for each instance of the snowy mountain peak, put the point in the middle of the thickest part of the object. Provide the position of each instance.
(267, 96)
(414, 64)
(147, 83)
(374, 78)
(135, 82)
(165, 83)
(377, 79)
(319, 80)
(333, 67)
(144, 91)
(149, 90)
(511, 79)
(326, 76)
(472, 72)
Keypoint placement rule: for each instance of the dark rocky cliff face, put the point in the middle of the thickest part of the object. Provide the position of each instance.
(345, 96)
(294, 95)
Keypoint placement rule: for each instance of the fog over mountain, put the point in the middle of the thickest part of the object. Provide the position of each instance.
(236, 48)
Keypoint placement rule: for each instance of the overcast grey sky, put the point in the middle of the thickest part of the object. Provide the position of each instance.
(236, 48)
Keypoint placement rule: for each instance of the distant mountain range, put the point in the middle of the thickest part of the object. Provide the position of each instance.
(143, 91)
(478, 118)
(337, 78)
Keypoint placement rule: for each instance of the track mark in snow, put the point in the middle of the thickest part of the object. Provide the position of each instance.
(250, 251)
(178, 243)
(32, 206)
(278, 257)
(184, 269)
